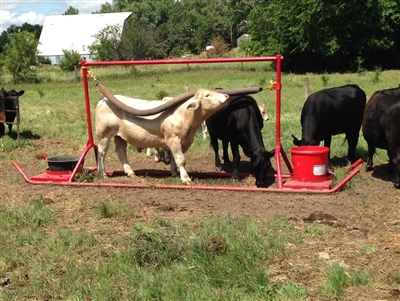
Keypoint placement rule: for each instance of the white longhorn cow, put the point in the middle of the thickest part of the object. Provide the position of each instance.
(172, 129)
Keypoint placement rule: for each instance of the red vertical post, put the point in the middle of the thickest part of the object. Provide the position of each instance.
(87, 103)
(90, 142)
(277, 86)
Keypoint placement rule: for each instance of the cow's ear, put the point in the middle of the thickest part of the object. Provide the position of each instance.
(192, 105)
(20, 93)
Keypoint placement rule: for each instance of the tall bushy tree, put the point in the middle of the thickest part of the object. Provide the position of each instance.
(71, 11)
(20, 56)
(4, 37)
(107, 44)
(319, 35)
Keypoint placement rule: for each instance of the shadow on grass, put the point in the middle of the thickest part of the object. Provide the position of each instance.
(384, 173)
(26, 134)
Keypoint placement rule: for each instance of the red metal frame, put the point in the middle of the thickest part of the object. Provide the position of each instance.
(67, 178)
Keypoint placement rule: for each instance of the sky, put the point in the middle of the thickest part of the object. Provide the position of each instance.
(17, 12)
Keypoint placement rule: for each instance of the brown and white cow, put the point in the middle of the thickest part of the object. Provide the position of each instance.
(173, 128)
(381, 128)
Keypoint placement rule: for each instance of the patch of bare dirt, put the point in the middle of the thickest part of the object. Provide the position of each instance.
(365, 215)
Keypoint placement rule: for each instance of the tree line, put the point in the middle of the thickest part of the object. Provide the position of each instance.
(312, 35)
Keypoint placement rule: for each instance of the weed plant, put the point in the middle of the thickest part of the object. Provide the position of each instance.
(337, 281)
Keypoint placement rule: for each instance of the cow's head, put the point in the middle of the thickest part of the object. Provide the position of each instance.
(260, 165)
(263, 111)
(4, 93)
(305, 142)
(209, 101)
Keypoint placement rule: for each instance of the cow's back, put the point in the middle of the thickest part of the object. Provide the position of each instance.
(381, 119)
(334, 110)
(238, 111)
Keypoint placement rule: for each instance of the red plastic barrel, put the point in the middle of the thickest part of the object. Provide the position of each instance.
(310, 163)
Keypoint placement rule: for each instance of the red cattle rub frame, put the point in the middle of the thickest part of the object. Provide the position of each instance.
(67, 178)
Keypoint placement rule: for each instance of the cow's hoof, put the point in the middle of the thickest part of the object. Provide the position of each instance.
(369, 168)
(397, 185)
(187, 181)
(235, 180)
(218, 168)
(132, 176)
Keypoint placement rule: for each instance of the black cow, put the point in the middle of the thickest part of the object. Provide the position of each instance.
(330, 112)
(381, 128)
(10, 107)
(240, 123)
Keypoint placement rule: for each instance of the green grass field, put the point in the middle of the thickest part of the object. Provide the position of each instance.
(55, 108)
(162, 260)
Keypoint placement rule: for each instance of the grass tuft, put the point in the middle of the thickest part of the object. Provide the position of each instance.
(337, 282)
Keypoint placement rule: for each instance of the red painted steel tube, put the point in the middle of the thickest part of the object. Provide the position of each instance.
(185, 61)
(194, 187)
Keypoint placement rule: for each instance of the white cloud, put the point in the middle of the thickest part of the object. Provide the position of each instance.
(85, 7)
(8, 18)
(19, 12)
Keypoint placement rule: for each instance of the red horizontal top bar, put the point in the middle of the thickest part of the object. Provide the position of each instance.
(183, 61)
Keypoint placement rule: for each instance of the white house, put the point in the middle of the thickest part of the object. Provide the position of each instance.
(74, 32)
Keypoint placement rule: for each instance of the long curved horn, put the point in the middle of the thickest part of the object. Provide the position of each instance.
(239, 91)
(171, 103)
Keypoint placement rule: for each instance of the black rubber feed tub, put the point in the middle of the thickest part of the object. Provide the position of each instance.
(65, 163)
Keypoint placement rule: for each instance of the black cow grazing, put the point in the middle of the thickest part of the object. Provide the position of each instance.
(330, 112)
(240, 123)
(10, 107)
(381, 128)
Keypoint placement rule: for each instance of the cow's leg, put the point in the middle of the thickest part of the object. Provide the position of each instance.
(180, 161)
(214, 143)
(157, 155)
(167, 156)
(120, 148)
(392, 165)
(225, 155)
(236, 161)
(173, 168)
(204, 130)
(2, 129)
(327, 143)
(10, 128)
(396, 162)
(370, 161)
(148, 152)
(352, 140)
(102, 148)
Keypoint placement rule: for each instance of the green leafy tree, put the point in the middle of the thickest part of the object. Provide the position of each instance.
(70, 61)
(5, 35)
(71, 11)
(107, 45)
(323, 36)
(20, 56)
(105, 8)
(137, 41)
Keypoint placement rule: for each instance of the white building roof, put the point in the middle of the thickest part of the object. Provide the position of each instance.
(75, 32)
